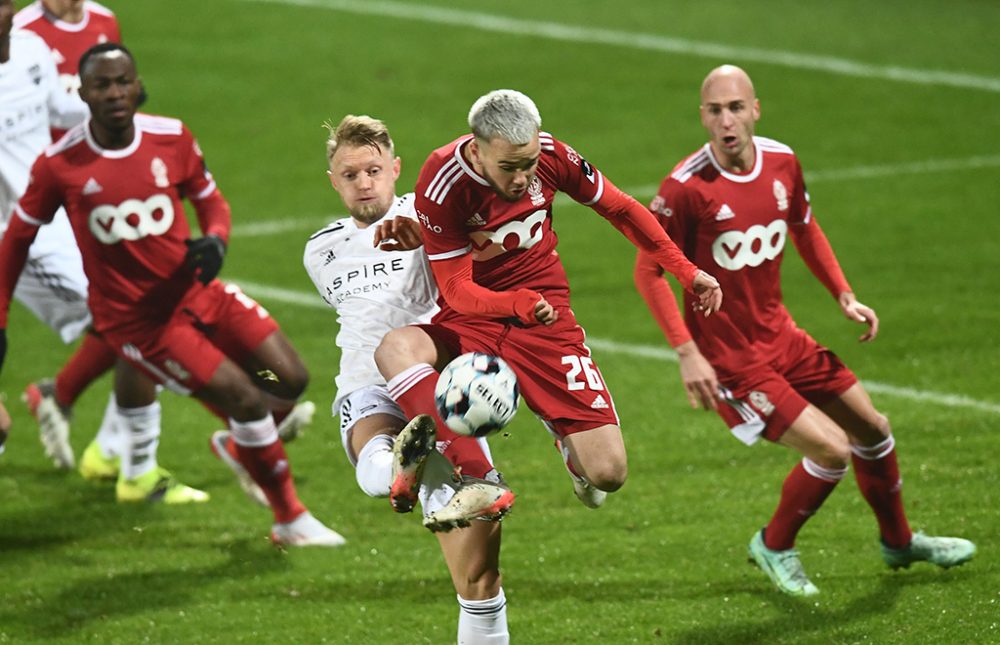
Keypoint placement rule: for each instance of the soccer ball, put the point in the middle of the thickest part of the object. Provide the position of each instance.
(476, 394)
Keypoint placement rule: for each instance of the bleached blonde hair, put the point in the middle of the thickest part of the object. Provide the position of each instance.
(358, 131)
(505, 114)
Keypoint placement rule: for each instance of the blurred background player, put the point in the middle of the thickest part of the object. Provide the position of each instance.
(152, 289)
(731, 205)
(373, 291)
(485, 202)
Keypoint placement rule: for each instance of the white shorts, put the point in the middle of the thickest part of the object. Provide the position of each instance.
(53, 285)
(365, 402)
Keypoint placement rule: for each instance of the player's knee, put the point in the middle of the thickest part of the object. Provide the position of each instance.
(295, 381)
(401, 348)
(245, 403)
(609, 475)
(834, 453)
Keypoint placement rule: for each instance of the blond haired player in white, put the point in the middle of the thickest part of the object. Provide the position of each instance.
(375, 290)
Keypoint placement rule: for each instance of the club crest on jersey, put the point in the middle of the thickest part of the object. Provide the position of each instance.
(35, 71)
(659, 205)
(159, 170)
(781, 195)
(535, 192)
(760, 401)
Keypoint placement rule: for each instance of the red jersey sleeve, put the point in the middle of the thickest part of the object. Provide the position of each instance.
(585, 183)
(811, 242)
(44, 196)
(648, 274)
(199, 187)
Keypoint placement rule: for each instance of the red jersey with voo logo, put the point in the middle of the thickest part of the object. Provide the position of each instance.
(126, 213)
(513, 245)
(735, 227)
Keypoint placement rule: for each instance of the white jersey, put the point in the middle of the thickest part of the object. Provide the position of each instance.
(31, 101)
(373, 291)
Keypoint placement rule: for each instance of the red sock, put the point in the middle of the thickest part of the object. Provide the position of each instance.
(801, 496)
(92, 358)
(882, 488)
(413, 390)
(268, 466)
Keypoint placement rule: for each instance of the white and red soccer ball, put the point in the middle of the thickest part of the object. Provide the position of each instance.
(476, 394)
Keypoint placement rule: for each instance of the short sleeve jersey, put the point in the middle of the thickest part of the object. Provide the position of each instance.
(68, 40)
(735, 227)
(513, 244)
(373, 291)
(126, 212)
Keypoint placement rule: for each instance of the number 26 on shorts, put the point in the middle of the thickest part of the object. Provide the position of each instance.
(582, 374)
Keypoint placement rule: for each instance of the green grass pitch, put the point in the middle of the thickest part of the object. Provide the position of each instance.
(891, 107)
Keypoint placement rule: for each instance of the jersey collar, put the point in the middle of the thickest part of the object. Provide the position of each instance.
(460, 158)
(758, 165)
(113, 154)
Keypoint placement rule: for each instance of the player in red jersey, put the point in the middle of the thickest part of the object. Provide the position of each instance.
(153, 295)
(731, 205)
(485, 202)
(69, 28)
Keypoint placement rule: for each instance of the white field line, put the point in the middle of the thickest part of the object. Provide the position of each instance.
(309, 224)
(648, 42)
(650, 352)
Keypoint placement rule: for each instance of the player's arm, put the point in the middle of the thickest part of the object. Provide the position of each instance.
(205, 255)
(454, 279)
(585, 183)
(816, 252)
(697, 374)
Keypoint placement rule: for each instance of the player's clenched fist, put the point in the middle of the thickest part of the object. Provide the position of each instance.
(204, 257)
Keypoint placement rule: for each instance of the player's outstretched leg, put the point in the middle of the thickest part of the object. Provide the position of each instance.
(224, 449)
(414, 443)
(946, 552)
(783, 567)
(53, 422)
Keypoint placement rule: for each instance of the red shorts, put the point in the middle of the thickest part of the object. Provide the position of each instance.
(210, 323)
(556, 374)
(766, 401)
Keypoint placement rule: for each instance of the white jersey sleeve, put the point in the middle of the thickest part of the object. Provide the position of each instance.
(373, 291)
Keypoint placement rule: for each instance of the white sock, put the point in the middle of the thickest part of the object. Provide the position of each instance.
(109, 437)
(141, 438)
(374, 469)
(483, 622)
(254, 434)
